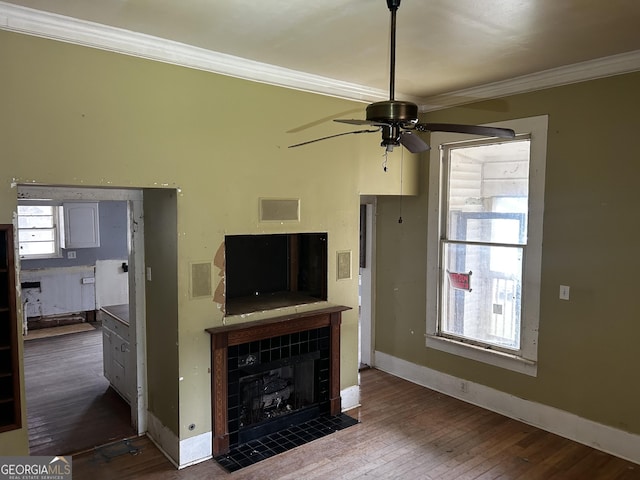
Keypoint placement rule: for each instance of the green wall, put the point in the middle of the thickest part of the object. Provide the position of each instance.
(161, 290)
(77, 116)
(588, 346)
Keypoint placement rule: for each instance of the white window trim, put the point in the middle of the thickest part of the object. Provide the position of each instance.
(527, 361)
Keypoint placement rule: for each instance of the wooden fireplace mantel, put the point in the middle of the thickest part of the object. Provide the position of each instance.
(229, 335)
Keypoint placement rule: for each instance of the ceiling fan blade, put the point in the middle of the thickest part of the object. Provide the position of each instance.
(333, 136)
(471, 129)
(361, 122)
(321, 120)
(413, 142)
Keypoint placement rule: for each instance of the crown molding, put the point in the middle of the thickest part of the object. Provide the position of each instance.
(38, 23)
(29, 21)
(555, 77)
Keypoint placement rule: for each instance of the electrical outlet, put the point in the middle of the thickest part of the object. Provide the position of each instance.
(71, 254)
(564, 292)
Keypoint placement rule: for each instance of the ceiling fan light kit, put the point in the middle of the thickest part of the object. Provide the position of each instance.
(398, 119)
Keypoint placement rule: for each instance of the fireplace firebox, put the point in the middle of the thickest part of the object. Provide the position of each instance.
(279, 381)
(270, 374)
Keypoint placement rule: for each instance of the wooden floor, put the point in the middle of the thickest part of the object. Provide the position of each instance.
(406, 432)
(70, 406)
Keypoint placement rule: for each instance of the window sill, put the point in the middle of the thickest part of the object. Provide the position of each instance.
(484, 355)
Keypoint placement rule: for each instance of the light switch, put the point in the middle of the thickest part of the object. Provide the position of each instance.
(564, 292)
(148, 274)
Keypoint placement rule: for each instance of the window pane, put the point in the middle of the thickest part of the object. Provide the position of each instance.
(36, 235)
(486, 182)
(488, 227)
(37, 248)
(487, 308)
(35, 210)
(35, 222)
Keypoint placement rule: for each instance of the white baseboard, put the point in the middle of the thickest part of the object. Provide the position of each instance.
(195, 449)
(602, 437)
(350, 397)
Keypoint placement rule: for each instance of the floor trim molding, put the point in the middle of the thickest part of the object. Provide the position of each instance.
(350, 397)
(195, 449)
(602, 437)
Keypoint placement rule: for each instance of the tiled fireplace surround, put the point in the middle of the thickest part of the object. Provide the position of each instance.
(271, 340)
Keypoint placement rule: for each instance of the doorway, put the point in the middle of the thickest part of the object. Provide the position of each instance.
(366, 282)
(62, 354)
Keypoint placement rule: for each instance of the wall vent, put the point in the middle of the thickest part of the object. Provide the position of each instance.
(201, 280)
(279, 209)
(343, 267)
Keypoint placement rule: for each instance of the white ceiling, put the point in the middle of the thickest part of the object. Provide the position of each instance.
(442, 45)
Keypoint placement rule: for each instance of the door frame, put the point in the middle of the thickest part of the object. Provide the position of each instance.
(366, 314)
(135, 242)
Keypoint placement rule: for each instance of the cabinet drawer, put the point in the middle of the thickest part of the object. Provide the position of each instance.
(114, 325)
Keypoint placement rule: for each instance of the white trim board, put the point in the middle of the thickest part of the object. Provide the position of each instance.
(39, 23)
(602, 437)
(196, 449)
(350, 397)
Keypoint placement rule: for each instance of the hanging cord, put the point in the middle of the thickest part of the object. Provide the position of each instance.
(384, 162)
(401, 172)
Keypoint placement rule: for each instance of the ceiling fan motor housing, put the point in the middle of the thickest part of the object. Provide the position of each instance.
(393, 112)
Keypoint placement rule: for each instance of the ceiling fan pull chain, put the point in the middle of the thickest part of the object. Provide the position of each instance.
(384, 162)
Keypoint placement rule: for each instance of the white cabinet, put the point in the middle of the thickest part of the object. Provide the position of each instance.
(81, 225)
(116, 354)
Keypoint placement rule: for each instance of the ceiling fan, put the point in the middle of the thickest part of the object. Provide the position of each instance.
(398, 120)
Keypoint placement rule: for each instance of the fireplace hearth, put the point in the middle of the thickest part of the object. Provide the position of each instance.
(271, 376)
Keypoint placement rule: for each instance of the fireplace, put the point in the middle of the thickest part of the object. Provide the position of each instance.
(276, 382)
(270, 374)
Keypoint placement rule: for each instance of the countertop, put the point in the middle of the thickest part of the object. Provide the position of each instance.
(119, 312)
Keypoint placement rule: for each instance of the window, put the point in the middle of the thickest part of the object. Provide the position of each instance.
(39, 230)
(485, 243)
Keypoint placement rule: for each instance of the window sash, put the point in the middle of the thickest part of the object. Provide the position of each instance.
(486, 310)
(478, 238)
(38, 231)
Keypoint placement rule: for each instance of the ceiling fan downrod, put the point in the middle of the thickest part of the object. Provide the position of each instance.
(392, 112)
(393, 8)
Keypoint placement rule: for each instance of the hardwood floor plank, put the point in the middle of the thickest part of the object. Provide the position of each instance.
(406, 432)
(70, 406)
